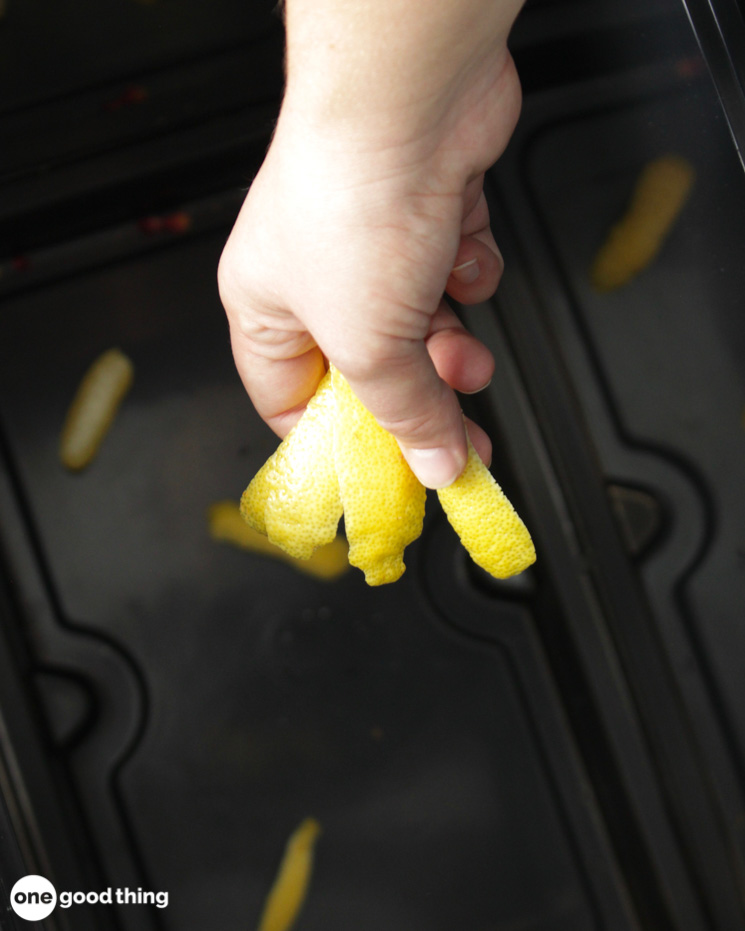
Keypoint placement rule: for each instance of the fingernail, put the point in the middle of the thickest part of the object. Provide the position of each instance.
(466, 272)
(476, 390)
(435, 468)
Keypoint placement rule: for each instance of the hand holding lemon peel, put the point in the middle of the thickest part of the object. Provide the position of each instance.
(339, 460)
(633, 242)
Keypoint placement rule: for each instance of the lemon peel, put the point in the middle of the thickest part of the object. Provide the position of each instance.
(659, 195)
(290, 888)
(294, 499)
(94, 407)
(382, 498)
(227, 525)
(476, 507)
(339, 459)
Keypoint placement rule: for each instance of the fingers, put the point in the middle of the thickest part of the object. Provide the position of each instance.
(461, 360)
(476, 271)
(402, 390)
(279, 388)
(478, 264)
(464, 363)
(481, 442)
(409, 391)
(427, 423)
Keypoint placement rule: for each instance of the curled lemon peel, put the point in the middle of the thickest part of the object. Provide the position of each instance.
(227, 525)
(338, 459)
(476, 506)
(290, 888)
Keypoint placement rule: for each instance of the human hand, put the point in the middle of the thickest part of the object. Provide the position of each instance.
(350, 235)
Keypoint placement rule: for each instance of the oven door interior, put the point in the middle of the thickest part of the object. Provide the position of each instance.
(559, 752)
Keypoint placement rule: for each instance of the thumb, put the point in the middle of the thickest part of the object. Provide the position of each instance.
(404, 393)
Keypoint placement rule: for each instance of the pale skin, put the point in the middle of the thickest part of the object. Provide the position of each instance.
(369, 207)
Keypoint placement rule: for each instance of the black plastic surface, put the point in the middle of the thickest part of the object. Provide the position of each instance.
(655, 376)
(105, 117)
(233, 696)
(561, 751)
(50, 50)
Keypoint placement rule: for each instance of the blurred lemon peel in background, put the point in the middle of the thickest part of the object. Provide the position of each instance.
(290, 887)
(225, 523)
(94, 407)
(338, 459)
(659, 195)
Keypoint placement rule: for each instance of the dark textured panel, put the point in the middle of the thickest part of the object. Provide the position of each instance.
(654, 382)
(256, 695)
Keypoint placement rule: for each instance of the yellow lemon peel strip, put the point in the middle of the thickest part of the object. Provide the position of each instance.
(383, 500)
(634, 241)
(94, 408)
(294, 498)
(487, 524)
(339, 458)
(227, 524)
(288, 893)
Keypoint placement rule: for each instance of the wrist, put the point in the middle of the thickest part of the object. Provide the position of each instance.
(393, 74)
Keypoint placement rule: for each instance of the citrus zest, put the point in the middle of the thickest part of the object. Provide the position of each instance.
(290, 888)
(338, 459)
(228, 526)
(294, 498)
(632, 243)
(486, 522)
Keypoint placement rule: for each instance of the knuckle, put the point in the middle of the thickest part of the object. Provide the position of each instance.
(363, 366)
(232, 281)
(414, 429)
(264, 338)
